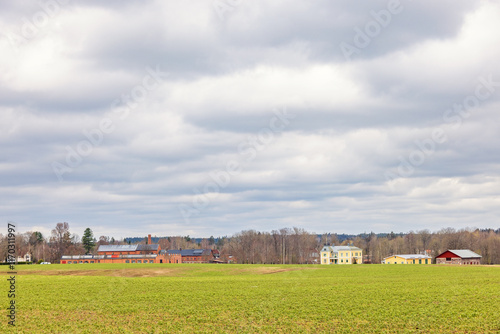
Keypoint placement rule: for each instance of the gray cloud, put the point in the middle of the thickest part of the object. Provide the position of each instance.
(132, 152)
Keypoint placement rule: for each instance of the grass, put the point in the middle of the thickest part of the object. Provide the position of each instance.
(173, 298)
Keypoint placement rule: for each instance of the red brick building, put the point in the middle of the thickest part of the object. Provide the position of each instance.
(119, 254)
(458, 256)
(150, 253)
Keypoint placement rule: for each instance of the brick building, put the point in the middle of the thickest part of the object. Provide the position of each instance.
(119, 254)
(149, 253)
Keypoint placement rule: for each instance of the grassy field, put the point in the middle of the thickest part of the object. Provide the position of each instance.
(150, 298)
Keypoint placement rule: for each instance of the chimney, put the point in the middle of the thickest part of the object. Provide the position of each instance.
(149, 239)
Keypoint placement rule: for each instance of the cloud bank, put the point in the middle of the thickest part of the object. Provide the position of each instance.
(207, 118)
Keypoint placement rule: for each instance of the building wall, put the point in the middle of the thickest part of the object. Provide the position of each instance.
(450, 258)
(169, 258)
(146, 260)
(458, 260)
(342, 257)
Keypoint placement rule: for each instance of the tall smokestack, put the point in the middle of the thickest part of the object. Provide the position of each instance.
(149, 239)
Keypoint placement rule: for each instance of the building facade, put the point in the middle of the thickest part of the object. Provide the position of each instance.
(407, 259)
(118, 254)
(458, 256)
(149, 253)
(341, 255)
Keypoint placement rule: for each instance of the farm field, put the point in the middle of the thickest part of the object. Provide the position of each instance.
(199, 298)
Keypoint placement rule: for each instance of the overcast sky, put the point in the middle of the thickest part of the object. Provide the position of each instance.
(212, 117)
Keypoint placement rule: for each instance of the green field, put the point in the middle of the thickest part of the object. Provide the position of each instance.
(183, 298)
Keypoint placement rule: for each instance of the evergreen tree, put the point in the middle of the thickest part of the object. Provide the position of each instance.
(88, 240)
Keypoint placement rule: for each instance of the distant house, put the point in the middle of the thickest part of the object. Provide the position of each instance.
(408, 259)
(341, 254)
(25, 258)
(458, 256)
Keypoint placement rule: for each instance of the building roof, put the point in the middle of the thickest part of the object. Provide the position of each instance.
(195, 252)
(117, 248)
(463, 253)
(170, 251)
(127, 248)
(151, 247)
(187, 252)
(410, 256)
(340, 248)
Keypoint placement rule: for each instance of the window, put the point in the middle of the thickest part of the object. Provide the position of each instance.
(133, 261)
(127, 261)
(150, 261)
(139, 261)
(448, 259)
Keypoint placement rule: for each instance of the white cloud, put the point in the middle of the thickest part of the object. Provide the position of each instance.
(324, 171)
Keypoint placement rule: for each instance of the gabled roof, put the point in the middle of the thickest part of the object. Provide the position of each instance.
(170, 251)
(340, 248)
(410, 256)
(117, 248)
(463, 253)
(195, 252)
(151, 247)
(127, 248)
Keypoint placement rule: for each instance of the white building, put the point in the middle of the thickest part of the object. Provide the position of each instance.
(25, 258)
(341, 255)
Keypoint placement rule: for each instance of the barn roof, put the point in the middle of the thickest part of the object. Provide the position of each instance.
(464, 253)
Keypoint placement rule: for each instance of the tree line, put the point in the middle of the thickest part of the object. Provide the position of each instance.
(284, 246)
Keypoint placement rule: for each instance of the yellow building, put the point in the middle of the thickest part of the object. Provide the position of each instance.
(341, 255)
(408, 259)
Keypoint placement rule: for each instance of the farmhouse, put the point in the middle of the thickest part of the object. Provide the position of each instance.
(458, 256)
(408, 259)
(341, 254)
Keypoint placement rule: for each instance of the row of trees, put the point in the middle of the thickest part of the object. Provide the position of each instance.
(286, 246)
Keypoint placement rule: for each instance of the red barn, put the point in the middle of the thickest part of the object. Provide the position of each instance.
(458, 256)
